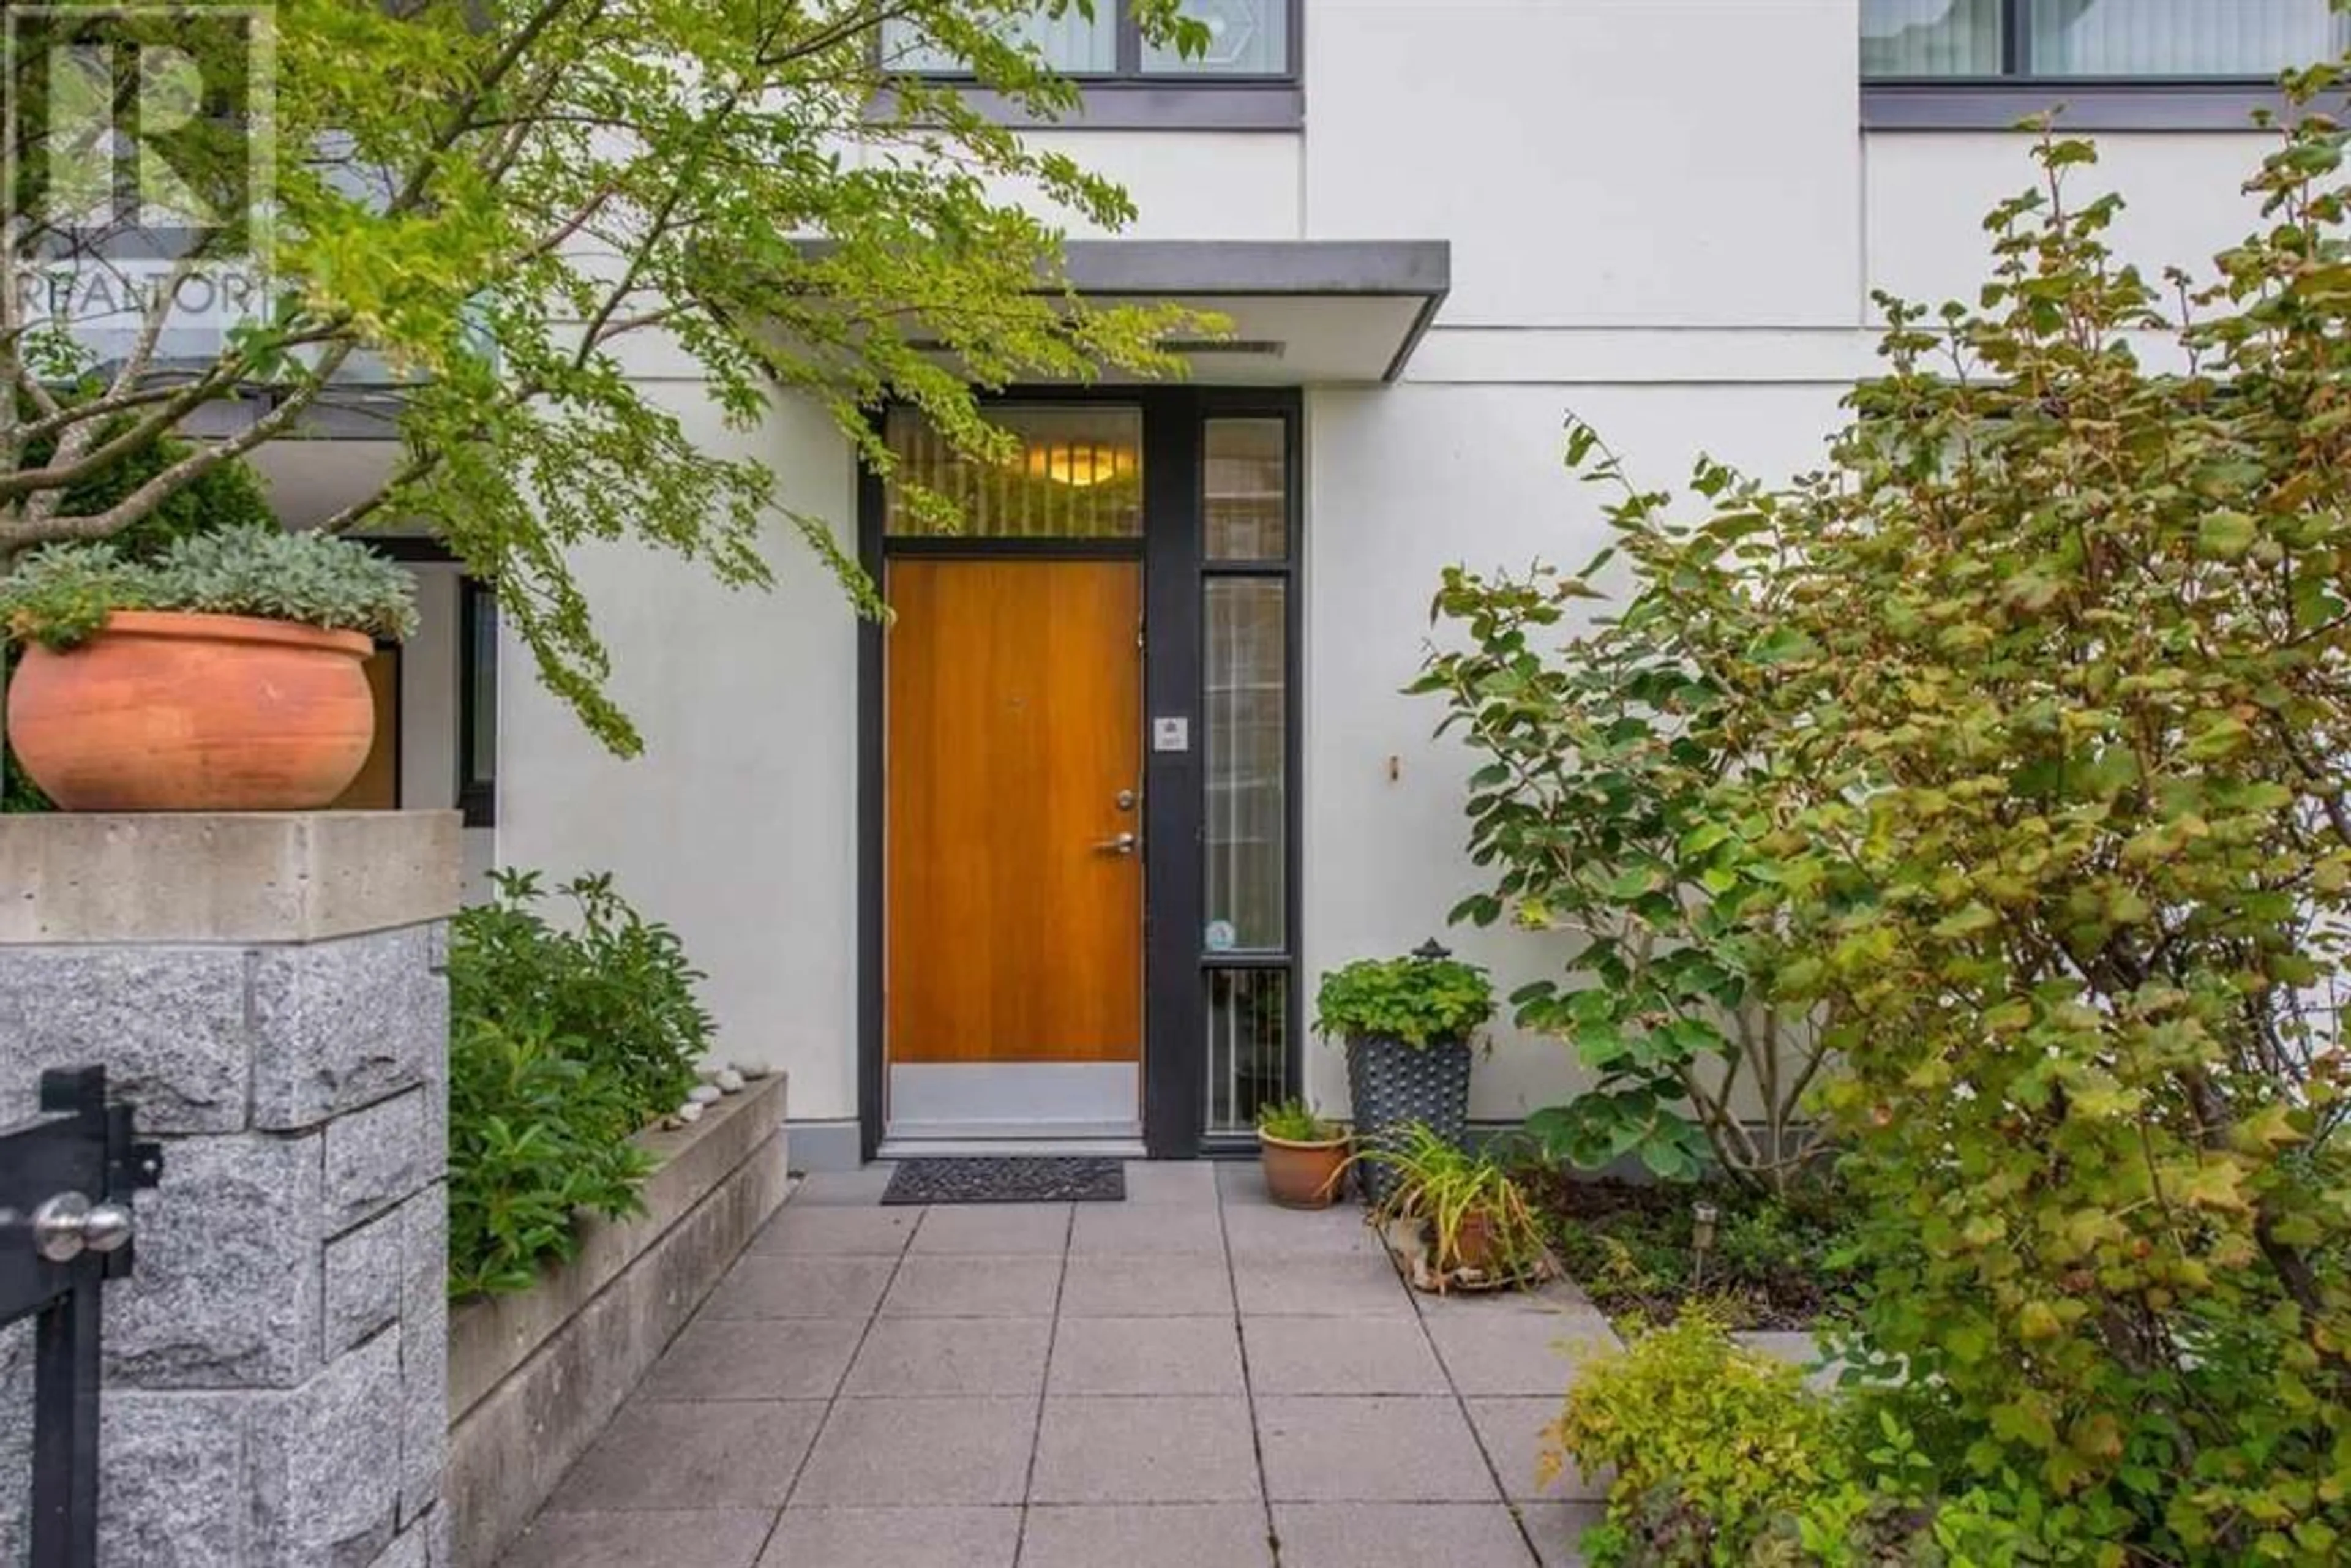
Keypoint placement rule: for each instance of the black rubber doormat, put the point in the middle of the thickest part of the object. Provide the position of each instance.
(1008, 1178)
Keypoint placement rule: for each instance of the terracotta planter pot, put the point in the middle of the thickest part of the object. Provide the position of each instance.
(1302, 1175)
(166, 712)
(1473, 1243)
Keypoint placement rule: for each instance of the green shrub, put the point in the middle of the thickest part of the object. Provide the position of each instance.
(60, 596)
(1725, 1458)
(1417, 999)
(2044, 786)
(227, 496)
(536, 1135)
(565, 1042)
(615, 982)
(1598, 806)
(1710, 1443)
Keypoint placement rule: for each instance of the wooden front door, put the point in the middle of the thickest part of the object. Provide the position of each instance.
(1014, 884)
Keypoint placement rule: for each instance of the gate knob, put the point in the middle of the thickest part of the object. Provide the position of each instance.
(57, 1226)
(106, 1227)
(67, 1226)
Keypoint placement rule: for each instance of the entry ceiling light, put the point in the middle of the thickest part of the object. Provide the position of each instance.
(1080, 465)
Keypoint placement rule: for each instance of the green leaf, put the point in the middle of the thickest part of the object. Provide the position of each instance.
(2226, 536)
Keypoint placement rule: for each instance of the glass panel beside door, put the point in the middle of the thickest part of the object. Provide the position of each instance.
(1247, 604)
(1247, 759)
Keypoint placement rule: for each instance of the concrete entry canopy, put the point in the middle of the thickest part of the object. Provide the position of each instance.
(1302, 312)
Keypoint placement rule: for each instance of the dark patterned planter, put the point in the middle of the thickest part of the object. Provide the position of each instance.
(1392, 1084)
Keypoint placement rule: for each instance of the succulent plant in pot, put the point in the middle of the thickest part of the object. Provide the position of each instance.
(1305, 1157)
(1407, 1024)
(223, 674)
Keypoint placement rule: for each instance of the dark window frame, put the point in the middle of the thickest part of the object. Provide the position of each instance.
(1129, 98)
(2099, 103)
(1176, 573)
(478, 798)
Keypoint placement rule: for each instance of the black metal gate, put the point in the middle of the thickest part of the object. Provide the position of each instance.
(66, 1182)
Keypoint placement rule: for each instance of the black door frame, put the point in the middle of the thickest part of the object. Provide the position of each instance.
(1175, 1024)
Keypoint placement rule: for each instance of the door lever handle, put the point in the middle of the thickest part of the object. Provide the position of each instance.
(1122, 845)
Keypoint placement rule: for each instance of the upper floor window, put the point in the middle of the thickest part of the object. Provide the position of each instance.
(2191, 40)
(1246, 40)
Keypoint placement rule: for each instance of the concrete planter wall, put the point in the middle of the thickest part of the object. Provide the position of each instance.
(534, 1378)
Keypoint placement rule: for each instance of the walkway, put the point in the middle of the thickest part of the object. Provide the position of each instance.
(1191, 1379)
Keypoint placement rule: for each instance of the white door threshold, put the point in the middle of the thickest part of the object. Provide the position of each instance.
(898, 1146)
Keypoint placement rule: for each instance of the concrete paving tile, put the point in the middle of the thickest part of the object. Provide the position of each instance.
(1399, 1535)
(861, 1188)
(1150, 1449)
(994, 1230)
(1321, 1286)
(1273, 1232)
(1120, 1230)
(709, 1539)
(897, 1537)
(1515, 1353)
(681, 1456)
(1557, 1529)
(920, 1453)
(817, 1228)
(1179, 1285)
(945, 1286)
(754, 1358)
(1797, 1349)
(790, 1285)
(1240, 1183)
(1147, 1535)
(1377, 1449)
(950, 1357)
(1150, 1183)
(1511, 1431)
(1341, 1355)
(1145, 1355)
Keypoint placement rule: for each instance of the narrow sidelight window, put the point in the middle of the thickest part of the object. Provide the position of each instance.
(1248, 653)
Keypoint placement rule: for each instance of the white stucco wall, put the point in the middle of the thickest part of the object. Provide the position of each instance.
(1928, 195)
(1191, 185)
(737, 825)
(1694, 161)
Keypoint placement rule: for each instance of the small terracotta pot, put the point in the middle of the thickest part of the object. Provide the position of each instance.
(1302, 1175)
(1474, 1244)
(168, 711)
